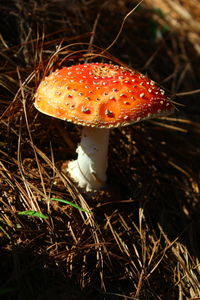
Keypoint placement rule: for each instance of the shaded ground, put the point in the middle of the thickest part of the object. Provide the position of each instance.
(141, 240)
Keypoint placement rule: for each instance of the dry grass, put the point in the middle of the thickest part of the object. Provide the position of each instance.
(141, 240)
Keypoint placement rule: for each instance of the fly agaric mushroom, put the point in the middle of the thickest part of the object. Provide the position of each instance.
(98, 96)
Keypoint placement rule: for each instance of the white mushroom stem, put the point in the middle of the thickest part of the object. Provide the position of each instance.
(89, 169)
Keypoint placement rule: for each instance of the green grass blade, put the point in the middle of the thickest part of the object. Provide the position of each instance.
(32, 213)
(4, 291)
(70, 203)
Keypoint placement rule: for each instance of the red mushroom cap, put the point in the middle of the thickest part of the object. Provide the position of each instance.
(101, 95)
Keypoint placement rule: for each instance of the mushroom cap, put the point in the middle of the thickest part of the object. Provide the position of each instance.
(101, 95)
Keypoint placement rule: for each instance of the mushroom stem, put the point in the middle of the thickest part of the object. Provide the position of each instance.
(89, 169)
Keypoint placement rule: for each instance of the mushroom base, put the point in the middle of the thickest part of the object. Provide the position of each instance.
(89, 169)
